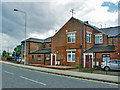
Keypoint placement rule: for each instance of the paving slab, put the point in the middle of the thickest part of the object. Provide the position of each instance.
(54, 67)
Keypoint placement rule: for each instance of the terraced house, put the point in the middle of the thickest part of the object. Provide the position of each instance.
(83, 44)
(76, 43)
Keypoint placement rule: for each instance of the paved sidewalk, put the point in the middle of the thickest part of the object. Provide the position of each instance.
(54, 67)
(99, 77)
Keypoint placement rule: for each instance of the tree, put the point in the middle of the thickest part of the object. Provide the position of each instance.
(5, 54)
(17, 51)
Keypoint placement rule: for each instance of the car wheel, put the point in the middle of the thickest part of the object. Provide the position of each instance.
(106, 68)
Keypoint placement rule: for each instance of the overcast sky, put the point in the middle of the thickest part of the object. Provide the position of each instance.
(43, 18)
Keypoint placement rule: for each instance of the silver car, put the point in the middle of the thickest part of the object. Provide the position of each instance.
(111, 65)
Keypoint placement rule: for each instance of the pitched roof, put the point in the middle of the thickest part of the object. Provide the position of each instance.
(100, 48)
(82, 23)
(41, 51)
(38, 40)
(48, 39)
(87, 24)
(111, 31)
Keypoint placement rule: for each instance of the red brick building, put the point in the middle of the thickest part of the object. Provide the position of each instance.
(79, 43)
(76, 43)
(37, 50)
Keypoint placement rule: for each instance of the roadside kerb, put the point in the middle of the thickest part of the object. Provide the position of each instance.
(91, 76)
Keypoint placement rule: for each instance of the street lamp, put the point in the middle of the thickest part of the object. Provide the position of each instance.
(25, 32)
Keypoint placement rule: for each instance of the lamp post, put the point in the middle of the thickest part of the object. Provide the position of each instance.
(25, 32)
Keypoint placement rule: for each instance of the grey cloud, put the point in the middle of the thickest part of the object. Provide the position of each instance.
(41, 17)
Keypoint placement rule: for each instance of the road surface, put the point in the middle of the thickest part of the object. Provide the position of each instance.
(16, 77)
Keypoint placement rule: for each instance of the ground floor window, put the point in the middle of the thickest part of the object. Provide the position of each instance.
(71, 56)
(105, 57)
(32, 57)
(39, 57)
(47, 57)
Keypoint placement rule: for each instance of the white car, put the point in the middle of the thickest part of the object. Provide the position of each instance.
(111, 65)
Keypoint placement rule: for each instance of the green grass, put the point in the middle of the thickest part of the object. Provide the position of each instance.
(77, 66)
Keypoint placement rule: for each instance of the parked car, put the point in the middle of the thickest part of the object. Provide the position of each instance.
(111, 65)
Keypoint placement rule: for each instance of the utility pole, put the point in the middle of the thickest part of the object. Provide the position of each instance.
(25, 34)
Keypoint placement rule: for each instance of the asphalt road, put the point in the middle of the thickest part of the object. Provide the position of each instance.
(15, 77)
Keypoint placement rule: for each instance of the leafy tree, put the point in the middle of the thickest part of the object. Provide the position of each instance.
(17, 51)
(5, 54)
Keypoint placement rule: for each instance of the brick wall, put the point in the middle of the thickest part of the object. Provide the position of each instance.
(36, 61)
(32, 46)
(98, 58)
(60, 44)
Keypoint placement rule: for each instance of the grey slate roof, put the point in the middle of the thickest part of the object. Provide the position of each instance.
(100, 48)
(87, 24)
(48, 39)
(42, 51)
(111, 31)
(38, 40)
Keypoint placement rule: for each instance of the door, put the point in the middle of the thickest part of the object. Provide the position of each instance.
(53, 61)
(88, 63)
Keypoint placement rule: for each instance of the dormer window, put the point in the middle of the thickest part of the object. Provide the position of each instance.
(98, 39)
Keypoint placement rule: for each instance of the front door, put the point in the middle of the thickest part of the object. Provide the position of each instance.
(53, 61)
(88, 61)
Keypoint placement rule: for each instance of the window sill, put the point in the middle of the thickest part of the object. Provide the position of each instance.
(70, 42)
(98, 43)
(88, 42)
(70, 61)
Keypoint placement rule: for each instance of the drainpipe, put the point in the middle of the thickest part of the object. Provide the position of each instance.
(81, 43)
(44, 59)
(85, 45)
(81, 48)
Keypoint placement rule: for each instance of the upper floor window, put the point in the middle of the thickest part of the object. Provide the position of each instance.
(98, 39)
(88, 37)
(71, 37)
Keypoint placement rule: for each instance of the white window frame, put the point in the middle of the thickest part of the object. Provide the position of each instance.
(88, 34)
(98, 41)
(71, 35)
(71, 53)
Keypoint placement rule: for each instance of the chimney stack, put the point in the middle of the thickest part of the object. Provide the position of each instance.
(86, 22)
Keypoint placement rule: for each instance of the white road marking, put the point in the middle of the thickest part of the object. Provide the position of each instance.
(9, 72)
(32, 80)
